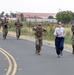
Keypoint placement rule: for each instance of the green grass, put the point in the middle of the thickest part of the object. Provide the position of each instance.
(27, 30)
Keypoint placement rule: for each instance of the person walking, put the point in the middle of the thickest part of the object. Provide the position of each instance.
(59, 34)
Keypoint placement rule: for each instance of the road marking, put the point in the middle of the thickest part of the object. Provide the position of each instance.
(17, 58)
(5, 59)
(10, 57)
(10, 63)
(5, 69)
(20, 69)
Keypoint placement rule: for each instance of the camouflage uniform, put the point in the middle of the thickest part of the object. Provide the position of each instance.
(4, 24)
(18, 26)
(0, 22)
(72, 29)
(39, 38)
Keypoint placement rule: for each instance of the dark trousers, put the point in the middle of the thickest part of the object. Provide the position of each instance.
(59, 44)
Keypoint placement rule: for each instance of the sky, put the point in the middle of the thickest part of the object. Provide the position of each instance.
(40, 6)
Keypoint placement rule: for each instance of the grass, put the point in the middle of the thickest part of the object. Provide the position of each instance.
(27, 30)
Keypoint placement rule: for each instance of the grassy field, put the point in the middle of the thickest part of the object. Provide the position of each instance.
(27, 30)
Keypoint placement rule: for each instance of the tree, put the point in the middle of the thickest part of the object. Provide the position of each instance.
(2, 14)
(7, 15)
(65, 16)
(50, 17)
(13, 14)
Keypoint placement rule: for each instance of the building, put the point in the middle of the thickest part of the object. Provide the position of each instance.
(38, 16)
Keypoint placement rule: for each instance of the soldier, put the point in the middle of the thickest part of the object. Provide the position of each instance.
(39, 34)
(0, 22)
(72, 29)
(18, 26)
(4, 24)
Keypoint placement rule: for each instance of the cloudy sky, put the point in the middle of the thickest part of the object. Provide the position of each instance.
(43, 6)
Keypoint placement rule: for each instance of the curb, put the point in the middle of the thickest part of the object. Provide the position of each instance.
(67, 48)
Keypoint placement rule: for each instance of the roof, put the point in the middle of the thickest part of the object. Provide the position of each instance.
(37, 15)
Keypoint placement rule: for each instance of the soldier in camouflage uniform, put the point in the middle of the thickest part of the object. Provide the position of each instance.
(72, 29)
(0, 22)
(39, 34)
(18, 25)
(4, 24)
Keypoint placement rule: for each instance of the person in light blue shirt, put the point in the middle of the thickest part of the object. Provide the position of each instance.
(59, 34)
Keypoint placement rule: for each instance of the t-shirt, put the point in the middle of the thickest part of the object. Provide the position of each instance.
(60, 31)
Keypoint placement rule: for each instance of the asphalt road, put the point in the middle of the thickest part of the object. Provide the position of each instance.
(28, 63)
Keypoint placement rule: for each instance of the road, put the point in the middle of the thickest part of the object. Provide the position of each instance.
(17, 57)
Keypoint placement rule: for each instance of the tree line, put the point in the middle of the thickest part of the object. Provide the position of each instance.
(65, 16)
(12, 15)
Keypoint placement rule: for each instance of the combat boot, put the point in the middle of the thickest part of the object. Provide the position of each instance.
(36, 51)
(4, 37)
(73, 52)
(39, 53)
(17, 37)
